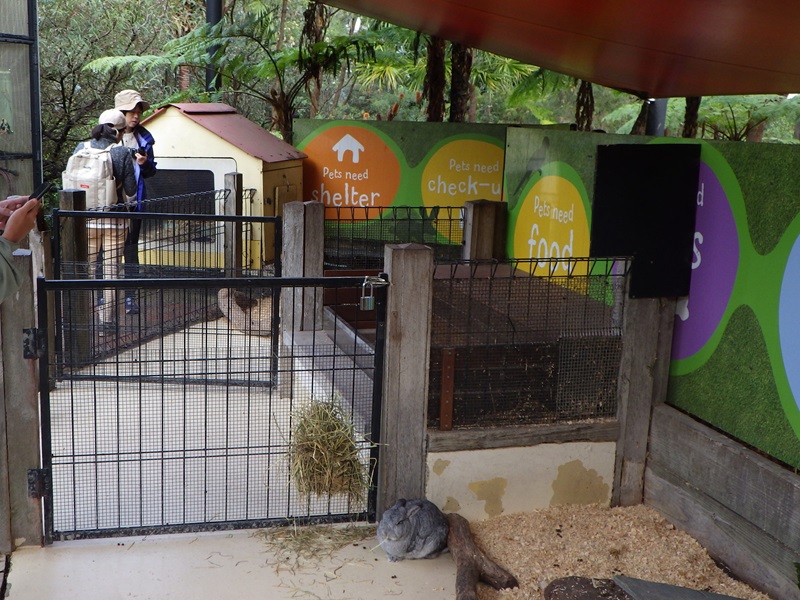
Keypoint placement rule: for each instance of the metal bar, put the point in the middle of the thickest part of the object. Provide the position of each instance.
(381, 295)
(300, 521)
(204, 283)
(44, 411)
(446, 399)
(161, 216)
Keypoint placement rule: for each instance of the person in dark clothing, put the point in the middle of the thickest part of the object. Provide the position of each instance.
(107, 236)
(140, 141)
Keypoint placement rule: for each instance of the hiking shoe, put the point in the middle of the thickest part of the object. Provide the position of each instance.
(131, 306)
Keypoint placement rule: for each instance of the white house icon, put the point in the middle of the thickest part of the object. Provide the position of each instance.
(348, 144)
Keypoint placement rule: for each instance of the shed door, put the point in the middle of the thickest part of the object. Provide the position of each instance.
(183, 175)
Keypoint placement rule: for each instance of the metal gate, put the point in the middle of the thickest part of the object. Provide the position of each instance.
(185, 414)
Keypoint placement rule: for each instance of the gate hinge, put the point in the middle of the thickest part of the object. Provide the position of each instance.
(33, 343)
(39, 483)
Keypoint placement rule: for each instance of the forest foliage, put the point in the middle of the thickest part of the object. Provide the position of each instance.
(275, 60)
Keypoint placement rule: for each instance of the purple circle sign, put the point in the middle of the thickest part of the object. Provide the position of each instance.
(714, 265)
(789, 320)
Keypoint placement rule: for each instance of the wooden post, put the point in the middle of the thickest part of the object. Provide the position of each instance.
(234, 242)
(313, 261)
(74, 241)
(485, 224)
(303, 255)
(644, 369)
(20, 398)
(402, 462)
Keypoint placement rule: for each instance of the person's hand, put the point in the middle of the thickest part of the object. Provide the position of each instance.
(140, 158)
(21, 221)
(8, 206)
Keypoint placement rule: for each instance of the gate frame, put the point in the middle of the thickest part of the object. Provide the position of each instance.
(46, 287)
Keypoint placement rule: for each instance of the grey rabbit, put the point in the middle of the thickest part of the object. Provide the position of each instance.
(413, 529)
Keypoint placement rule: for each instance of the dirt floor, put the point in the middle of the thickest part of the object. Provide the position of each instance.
(598, 542)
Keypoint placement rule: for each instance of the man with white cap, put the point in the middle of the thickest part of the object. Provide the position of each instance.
(107, 236)
(136, 137)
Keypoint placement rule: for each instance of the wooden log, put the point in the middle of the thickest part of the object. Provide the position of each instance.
(472, 565)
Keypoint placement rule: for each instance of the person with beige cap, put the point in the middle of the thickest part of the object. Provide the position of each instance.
(140, 141)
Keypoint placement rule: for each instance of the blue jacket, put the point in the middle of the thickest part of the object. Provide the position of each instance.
(146, 170)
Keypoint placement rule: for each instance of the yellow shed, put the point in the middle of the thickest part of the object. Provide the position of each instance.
(197, 144)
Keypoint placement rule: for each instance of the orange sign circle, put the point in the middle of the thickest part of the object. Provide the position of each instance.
(351, 171)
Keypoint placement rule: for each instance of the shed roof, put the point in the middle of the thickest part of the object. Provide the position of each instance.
(225, 122)
(655, 48)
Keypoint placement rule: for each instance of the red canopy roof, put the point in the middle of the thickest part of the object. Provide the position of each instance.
(655, 48)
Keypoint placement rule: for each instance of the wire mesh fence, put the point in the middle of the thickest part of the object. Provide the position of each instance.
(355, 236)
(196, 428)
(194, 242)
(525, 341)
(180, 235)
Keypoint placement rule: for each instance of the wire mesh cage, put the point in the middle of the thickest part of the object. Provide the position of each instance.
(355, 236)
(525, 341)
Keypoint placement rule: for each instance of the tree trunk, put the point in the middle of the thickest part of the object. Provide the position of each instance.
(282, 115)
(584, 107)
(433, 89)
(690, 116)
(282, 25)
(184, 78)
(473, 104)
(755, 131)
(351, 29)
(640, 125)
(472, 565)
(316, 22)
(460, 75)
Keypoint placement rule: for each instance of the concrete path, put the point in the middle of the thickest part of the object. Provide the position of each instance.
(219, 566)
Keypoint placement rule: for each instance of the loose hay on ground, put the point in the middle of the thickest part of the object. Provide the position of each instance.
(297, 547)
(598, 542)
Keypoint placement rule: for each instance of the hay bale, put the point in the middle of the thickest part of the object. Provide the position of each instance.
(324, 453)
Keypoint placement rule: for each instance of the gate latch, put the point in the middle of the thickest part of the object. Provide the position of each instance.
(33, 343)
(367, 301)
(38, 483)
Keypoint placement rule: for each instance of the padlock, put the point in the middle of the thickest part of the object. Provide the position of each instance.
(367, 298)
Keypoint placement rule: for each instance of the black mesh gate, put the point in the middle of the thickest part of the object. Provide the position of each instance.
(184, 416)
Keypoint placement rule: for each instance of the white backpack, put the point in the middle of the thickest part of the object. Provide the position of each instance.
(90, 170)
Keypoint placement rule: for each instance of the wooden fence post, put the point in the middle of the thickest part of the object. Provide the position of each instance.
(644, 369)
(234, 242)
(485, 224)
(20, 417)
(402, 462)
(74, 253)
(303, 256)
